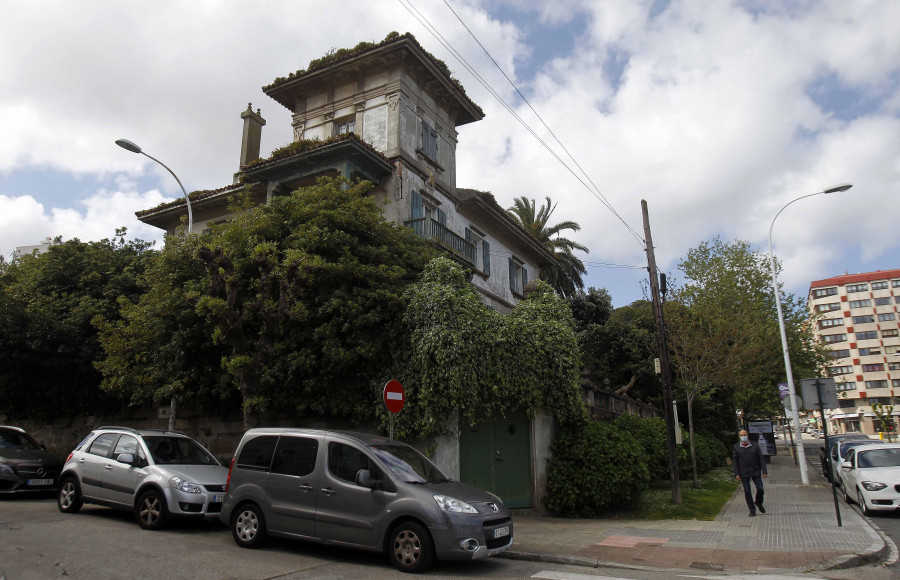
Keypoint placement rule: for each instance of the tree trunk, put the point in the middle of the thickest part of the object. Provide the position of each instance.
(172, 407)
(690, 410)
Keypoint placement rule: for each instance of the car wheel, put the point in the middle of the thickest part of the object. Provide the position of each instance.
(150, 510)
(862, 503)
(248, 526)
(844, 493)
(410, 548)
(69, 499)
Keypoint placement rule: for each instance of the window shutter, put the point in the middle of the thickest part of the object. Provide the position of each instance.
(442, 217)
(468, 235)
(417, 209)
(524, 278)
(512, 275)
(486, 258)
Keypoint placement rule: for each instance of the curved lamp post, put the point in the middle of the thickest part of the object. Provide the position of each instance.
(134, 148)
(795, 416)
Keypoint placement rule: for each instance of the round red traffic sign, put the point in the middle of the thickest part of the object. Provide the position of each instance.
(394, 396)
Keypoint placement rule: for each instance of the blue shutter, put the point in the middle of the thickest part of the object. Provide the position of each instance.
(417, 207)
(512, 274)
(486, 258)
(468, 235)
(524, 277)
(442, 217)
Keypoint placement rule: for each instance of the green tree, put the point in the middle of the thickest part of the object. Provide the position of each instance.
(619, 354)
(565, 275)
(706, 351)
(161, 347)
(728, 292)
(305, 295)
(591, 308)
(48, 344)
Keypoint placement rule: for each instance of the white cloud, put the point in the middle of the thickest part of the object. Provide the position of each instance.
(26, 222)
(712, 122)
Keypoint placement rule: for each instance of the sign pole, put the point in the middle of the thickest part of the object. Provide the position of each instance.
(394, 398)
(821, 402)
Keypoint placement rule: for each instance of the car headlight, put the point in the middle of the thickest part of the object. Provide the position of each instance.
(182, 484)
(873, 485)
(6, 469)
(451, 504)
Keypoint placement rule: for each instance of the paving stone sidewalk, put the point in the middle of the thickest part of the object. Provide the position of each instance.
(798, 532)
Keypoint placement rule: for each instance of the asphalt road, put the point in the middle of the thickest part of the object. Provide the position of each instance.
(38, 542)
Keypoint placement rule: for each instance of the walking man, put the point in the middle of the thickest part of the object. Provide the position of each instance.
(749, 463)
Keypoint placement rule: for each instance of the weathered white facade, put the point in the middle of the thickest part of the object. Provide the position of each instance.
(389, 113)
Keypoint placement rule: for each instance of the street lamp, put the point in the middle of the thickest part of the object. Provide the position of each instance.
(134, 148)
(795, 416)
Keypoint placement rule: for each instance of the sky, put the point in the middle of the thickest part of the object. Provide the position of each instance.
(716, 113)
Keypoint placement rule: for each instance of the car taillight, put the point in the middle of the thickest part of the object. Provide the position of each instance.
(70, 456)
(228, 481)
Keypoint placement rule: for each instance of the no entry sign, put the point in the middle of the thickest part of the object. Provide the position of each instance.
(394, 396)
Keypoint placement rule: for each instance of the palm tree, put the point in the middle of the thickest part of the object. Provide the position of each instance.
(565, 274)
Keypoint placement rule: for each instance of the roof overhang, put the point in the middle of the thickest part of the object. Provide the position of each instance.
(404, 52)
(496, 217)
(346, 156)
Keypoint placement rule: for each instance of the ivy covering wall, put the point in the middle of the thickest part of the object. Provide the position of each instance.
(467, 363)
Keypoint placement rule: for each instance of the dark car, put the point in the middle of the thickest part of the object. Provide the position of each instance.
(825, 450)
(25, 465)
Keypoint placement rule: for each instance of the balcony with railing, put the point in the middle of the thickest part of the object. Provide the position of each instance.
(434, 230)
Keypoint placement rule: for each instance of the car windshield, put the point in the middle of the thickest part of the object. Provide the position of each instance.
(167, 450)
(11, 439)
(847, 445)
(879, 458)
(408, 464)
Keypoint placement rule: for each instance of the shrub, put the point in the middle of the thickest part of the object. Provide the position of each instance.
(650, 434)
(594, 467)
(711, 452)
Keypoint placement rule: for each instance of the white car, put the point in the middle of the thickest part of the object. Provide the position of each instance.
(870, 475)
(839, 452)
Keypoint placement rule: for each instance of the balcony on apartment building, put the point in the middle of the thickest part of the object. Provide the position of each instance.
(437, 232)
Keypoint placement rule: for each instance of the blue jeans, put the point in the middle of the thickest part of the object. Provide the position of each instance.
(758, 482)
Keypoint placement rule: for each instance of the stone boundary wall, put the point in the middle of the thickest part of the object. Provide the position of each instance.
(604, 405)
(220, 436)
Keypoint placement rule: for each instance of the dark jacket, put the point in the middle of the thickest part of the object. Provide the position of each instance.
(748, 461)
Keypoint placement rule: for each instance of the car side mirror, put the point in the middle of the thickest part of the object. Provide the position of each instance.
(127, 458)
(846, 465)
(364, 479)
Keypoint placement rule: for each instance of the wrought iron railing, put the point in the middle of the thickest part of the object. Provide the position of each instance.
(434, 230)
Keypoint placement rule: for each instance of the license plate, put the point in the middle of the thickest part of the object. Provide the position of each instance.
(48, 481)
(500, 532)
(219, 497)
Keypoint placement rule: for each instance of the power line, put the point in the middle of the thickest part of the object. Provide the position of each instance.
(434, 32)
(596, 191)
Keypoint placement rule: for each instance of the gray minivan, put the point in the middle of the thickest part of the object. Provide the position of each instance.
(358, 490)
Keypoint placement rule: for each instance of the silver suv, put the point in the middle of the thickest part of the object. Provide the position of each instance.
(358, 490)
(155, 473)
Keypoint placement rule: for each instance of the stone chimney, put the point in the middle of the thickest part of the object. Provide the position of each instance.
(253, 124)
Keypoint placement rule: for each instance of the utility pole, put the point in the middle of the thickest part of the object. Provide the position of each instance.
(663, 358)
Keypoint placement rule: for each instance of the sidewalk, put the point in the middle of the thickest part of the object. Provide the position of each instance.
(799, 532)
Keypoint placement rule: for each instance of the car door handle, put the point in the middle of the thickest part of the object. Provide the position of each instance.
(327, 491)
(108, 466)
(306, 487)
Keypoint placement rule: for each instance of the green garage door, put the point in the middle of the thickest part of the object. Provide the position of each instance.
(496, 456)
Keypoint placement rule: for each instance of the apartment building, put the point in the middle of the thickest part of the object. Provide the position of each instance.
(857, 318)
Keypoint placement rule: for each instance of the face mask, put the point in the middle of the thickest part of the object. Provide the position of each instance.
(744, 438)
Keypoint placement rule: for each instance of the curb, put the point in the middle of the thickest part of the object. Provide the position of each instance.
(572, 561)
